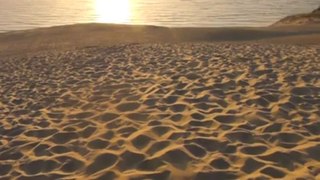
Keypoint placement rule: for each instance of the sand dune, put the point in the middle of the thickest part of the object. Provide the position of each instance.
(300, 19)
(87, 35)
(162, 111)
(97, 101)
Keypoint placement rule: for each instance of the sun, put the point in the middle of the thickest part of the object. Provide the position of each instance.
(113, 11)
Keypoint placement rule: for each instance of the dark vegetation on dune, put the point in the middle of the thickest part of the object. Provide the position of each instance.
(301, 19)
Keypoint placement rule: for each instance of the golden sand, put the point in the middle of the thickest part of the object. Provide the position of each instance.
(97, 101)
(162, 111)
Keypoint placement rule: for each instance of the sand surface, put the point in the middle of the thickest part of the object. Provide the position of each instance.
(95, 101)
(88, 35)
(161, 111)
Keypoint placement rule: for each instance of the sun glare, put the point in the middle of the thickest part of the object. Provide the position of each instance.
(113, 11)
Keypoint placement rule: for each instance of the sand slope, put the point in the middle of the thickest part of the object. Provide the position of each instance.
(300, 19)
(87, 35)
(162, 111)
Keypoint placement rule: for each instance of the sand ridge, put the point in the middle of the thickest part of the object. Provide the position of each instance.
(73, 36)
(162, 111)
(300, 19)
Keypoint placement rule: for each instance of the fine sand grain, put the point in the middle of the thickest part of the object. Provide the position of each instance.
(202, 111)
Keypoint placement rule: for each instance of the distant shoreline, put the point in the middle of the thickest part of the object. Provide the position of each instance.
(95, 34)
(23, 15)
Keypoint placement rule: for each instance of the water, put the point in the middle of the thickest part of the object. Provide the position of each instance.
(27, 14)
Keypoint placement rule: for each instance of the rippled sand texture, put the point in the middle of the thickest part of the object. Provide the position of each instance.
(162, 111)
